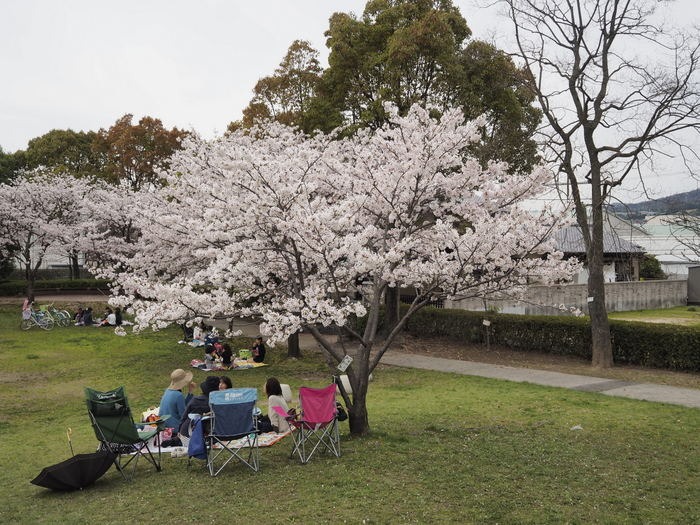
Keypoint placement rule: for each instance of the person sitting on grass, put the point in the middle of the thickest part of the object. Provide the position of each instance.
(174, 401)
(258, 350)
(198, 404)
(225, 383)
(118, 316)
(199, 333)
(226, 355)
(87, 317)
(273, 391)
(109, 319)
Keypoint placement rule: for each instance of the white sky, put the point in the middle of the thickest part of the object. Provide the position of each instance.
(82, 64)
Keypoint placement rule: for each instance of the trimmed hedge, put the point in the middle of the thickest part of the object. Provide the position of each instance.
(14, 288)
(646, 344)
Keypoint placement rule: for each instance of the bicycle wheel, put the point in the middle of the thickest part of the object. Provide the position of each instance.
(26, 324)
(61, 318)
(45, 322)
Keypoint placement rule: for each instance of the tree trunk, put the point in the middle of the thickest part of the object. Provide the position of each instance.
(74, 266)
(391, 309)
(601, 347)
(30, 277)
(357, 415)
(30, 289)
(293, 346)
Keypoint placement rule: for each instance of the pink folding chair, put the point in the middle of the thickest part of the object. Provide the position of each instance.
(316, 426)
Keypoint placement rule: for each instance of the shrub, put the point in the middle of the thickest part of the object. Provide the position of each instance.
(650, 268)
(646, 344)
(57, 285)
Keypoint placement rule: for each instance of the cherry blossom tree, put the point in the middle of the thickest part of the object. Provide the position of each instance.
(41, 213)
(110, 233)
(310, 232)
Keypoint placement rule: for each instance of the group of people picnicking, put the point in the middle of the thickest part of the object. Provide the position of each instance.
(84, 317)
(218, 354)
(178, 405)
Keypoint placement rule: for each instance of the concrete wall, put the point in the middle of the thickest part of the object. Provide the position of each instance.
(619, 297)
(694, 285)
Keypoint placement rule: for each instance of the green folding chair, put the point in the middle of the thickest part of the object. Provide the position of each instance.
(116, 431)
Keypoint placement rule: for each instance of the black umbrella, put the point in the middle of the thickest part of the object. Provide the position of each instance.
(77, 472)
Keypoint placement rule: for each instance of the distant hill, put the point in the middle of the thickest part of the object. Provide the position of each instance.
(688, 201)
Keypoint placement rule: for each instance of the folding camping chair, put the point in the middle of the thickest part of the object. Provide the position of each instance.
(234, 429)
(116, 431)
(317, 425)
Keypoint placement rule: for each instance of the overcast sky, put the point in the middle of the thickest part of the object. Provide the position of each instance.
(82, 64)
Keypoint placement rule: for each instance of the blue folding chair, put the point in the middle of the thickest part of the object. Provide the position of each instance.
(234, 429)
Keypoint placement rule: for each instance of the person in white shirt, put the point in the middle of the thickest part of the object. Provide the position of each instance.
(273, 391)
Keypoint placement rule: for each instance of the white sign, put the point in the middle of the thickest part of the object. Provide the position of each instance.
(486, 322)
(590, 299)
(345, 363)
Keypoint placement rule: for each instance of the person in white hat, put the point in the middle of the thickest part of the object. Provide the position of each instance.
(174, 401)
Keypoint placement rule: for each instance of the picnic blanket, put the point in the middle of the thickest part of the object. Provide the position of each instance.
(266, 439)
(238, 364)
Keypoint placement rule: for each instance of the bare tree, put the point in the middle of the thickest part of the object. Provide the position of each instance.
(609, 108)
(685, 229)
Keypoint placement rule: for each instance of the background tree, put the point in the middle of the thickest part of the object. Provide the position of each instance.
(608, 106)
(40, 214)
(285, 95)
(385, 208)
(64, 151)
(403, 52)
(110, 233)
(136, 152)
(418, 52)
(685, 228)
(11, 165)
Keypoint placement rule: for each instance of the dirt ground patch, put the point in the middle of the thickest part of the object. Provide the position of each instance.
(449, 349)
(667, 320)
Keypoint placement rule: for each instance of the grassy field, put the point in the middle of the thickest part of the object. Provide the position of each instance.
(444, 448)
(685, 315)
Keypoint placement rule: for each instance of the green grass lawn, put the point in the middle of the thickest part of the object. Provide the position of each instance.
(444, 448)
(685, 315)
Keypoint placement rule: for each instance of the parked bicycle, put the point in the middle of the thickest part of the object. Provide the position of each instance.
(60, 317)
(41, 319)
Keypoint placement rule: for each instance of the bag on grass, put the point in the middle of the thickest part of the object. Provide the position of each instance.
(342, 414)
(264, 424)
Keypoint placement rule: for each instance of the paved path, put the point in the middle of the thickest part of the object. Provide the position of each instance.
(688, 397)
